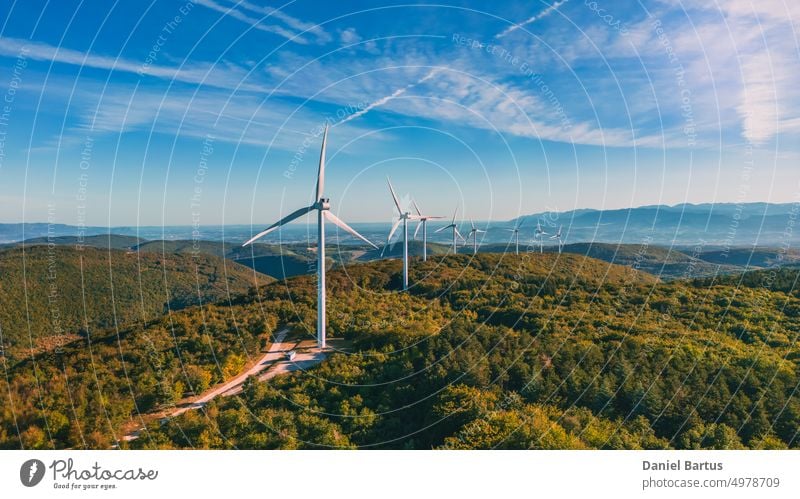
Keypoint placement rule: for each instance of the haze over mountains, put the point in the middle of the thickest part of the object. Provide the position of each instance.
(682, 241)
(724, 224)
(710, 225)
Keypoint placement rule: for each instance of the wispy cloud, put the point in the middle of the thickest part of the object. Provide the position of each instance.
(397, 93)
(759, 103)
(472, 99)
(292, 22)
(618, 90)
(247, 119)
(546, 12)
(223, 75)
(749, 50)
(769, 100)
(293, 29)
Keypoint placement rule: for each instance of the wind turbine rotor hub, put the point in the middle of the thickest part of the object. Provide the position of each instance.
(323, 204)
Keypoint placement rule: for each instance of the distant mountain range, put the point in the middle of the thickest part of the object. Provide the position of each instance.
(286, 260)
(708, 225)
(711, 226)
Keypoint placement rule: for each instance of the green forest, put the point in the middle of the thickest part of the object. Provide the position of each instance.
(536, 351)
(52, 295)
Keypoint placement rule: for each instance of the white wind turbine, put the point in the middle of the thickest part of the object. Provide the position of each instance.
(473, 233)
(558, 236)
(538, 235)
(455, 232)
(405, 216)
(423, 222)
(322, 205)
(515, 231)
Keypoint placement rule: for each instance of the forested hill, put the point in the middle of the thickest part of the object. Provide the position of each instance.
(784, 279)
(50, 295)
(535, 351)
(103, 241)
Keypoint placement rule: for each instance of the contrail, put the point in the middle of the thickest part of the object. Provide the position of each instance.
(393, 95)
(546, 12)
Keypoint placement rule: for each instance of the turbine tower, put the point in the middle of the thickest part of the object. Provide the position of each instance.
(538, 235)
(473, 233)
(423, 222)
(405, 216)
(558, 236)
(323, 207)
(455, 232)
(515, 231)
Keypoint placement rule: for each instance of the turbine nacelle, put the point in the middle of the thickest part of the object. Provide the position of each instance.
(408, 216)
(322, 204)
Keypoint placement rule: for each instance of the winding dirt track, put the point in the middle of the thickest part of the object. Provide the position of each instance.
(273, 357)
(274, 354)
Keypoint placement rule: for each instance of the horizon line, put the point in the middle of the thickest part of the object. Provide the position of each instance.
(383, 222)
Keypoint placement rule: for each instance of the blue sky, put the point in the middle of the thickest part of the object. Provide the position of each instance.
(502, 109)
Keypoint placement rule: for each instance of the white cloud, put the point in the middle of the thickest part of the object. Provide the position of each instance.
(349, 35)
(242, 119)
(728, 69)
(758, 107)
(294, 29)
(748, 49)
(474, 100)
(221, 74)
(546, 12)
(397, 93)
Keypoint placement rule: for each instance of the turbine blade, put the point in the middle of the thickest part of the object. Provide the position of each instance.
(443, 228)
(416, 231)
(283, 221)
(520, 224)
(394, 228)
(472, 224)
(394, 196)
(416, 207)
(333, 218)
(454, 215)
(459, 234)
(433, 218)
(321, 172)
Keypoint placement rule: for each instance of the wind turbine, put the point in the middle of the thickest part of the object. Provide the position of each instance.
(455, 232)
(423, 222)
(558, 236)
(538, 235)
(323, 207)
(515, 231)
(405, 216)
(473, 233)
